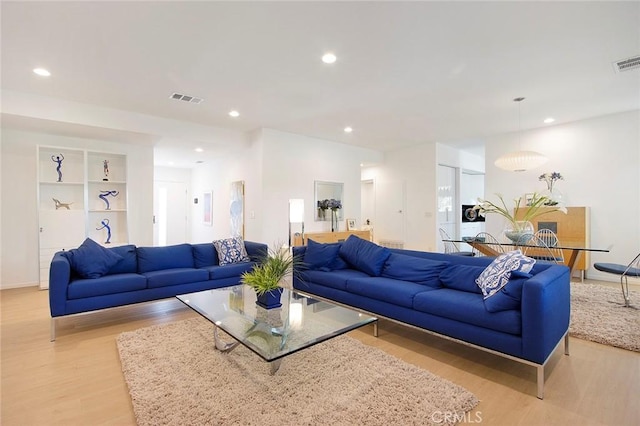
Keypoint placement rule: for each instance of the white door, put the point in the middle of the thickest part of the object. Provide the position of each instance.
(389, 201)
(448, 211)
(170, 210)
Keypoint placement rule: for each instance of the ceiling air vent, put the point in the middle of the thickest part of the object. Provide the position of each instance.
(186, 98)
(627, 64)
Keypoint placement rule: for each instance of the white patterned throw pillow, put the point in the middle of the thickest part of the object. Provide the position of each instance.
(497, 274)
(231, 250)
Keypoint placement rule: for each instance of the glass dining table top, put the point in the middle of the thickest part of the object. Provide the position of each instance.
(274, 333)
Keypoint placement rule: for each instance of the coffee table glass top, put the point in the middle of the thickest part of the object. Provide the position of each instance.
(274, 333)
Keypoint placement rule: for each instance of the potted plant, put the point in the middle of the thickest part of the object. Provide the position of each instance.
(516, 229)
(266, 276)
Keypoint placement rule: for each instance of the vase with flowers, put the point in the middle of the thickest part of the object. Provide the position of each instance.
(517, 230)
(554, 196)
(332, 205)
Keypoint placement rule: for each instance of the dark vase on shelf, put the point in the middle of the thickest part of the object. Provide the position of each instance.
(270, 299)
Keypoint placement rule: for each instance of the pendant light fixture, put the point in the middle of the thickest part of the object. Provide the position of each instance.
(520, 161)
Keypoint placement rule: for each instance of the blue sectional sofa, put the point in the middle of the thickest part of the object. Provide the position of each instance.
(524, 317)
(92, 277)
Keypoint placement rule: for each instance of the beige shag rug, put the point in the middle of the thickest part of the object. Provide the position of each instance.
(597, 315)
(176, 377)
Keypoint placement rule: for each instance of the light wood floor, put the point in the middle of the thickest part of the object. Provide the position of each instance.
(77, 380)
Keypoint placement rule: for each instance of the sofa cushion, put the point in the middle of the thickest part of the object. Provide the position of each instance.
(388, 290)
(227, 271)
(364, 255)
(461, 277)
(204, 255)
(108, 284)
(334, 279)
(497, 274)
(91, 260)
(129, 262)
(175, 276)
(414, 269)
(318, 255)
(509, 297)
(467, 308)
(231, 250)
(158, 258)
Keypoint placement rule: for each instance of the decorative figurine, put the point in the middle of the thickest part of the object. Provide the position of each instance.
(105, 225)
(58, 160)
(60, 205)
(105, 164)
(104, 194)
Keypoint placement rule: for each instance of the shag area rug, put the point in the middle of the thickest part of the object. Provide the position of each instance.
(176, 377)
(597, 315)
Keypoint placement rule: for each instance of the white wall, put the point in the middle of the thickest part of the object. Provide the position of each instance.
(599, 161)
(290, 165)
(19, 200)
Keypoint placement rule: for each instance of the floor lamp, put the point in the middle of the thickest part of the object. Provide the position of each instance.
(296, 215)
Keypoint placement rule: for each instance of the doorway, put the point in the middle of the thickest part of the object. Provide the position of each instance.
(170, 213)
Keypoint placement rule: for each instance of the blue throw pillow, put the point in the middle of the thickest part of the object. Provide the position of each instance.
(415, 269)
(129, 262)
(364, 255)
(91, 260)
(319, 255)
(497, 274)
(231, 250)
(461, 277)
(508, 298)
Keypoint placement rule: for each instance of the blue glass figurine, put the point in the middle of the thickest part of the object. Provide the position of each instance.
(105, 225)
(58, 160)
(104, 194)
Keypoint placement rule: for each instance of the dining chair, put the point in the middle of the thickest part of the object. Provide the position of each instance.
(550, 239)
(489, 241)
(625, 271)
(537, 248)
(450, 247)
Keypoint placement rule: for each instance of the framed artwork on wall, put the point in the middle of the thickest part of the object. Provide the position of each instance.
(207, 206)
(352, 225)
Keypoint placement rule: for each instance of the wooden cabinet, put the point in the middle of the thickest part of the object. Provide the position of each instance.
(329, 237)
(70, 182)
(572, 230)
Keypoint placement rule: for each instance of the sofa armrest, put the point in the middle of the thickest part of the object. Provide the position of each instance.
(59, 279)
(546, 307)
(256, 251)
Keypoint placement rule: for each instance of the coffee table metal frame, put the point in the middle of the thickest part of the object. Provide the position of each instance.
(275, 333)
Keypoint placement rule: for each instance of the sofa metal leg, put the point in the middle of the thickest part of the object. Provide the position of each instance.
(566, 344)
(53, 329)
(375, 329)
(540, 369)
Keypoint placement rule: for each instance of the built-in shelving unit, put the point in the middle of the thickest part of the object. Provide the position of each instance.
(76, 178)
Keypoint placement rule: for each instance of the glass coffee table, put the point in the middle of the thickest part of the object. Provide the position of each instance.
(273, 334)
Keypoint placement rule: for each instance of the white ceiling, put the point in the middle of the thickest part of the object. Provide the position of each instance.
(407, 73)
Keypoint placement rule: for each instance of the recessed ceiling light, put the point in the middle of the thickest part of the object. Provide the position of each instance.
(329, 58)
(549, 120)
(42, 72)
(199, 150)
(234, 113)
(348, 129)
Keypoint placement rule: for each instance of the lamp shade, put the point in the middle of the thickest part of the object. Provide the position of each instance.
(296, 210)
(520, 161)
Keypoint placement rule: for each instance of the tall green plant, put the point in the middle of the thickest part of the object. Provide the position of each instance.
(275, 265)
(532, 210)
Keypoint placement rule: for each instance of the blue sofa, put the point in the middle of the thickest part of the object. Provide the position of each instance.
(525, 320)
(106, 278)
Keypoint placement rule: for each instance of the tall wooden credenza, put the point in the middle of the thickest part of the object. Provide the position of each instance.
(329, 237)
(572, 230)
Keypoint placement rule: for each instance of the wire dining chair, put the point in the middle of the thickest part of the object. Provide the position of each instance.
(450, 247)
(490, 242)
